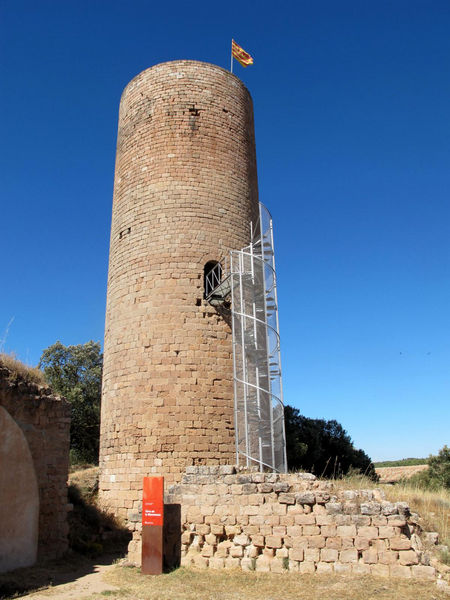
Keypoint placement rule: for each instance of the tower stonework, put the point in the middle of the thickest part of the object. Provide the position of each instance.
(185, 192)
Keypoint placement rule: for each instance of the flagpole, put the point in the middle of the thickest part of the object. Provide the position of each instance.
(231, 66)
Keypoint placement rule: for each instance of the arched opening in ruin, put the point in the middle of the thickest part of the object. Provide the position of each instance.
(19, 498)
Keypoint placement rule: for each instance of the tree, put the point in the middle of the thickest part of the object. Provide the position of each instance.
(439, 468)
(322, 447)
(75, 372)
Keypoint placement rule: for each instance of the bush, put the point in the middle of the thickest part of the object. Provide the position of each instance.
(439, 467)
(437, 475)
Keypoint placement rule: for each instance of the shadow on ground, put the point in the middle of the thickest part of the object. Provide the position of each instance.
(95, 538)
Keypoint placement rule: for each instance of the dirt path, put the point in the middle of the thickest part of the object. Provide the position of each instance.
(77, 584)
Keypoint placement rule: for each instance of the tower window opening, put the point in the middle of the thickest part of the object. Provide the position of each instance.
(212, 276)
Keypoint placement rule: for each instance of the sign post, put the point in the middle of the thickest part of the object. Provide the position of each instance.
(152, 525)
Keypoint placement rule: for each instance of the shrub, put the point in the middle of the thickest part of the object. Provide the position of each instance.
(439, 467)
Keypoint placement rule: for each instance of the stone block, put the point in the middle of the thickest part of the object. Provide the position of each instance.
(286, 498)
(386, 532)
(216, 563)
(328, 530)
(217, 529)
(201, 562)
(388, 557)
(400, 543)
(258, 540)
(408, 557)
(370, 508)
(237, 552)
(311, 530)
(305, 519)
(312, 554)
(370, 556)
(342, 569)
(334, 542)
(251, 551)
(248, 564)
(316, 541)
(361, 543)
(378, 570)
(368, 532)
(360, 569)
(347, 543)
(296, 554)
(273, 541)
(282, 553)
(396, 521)
(232, 563)
(400, 571)
(278, 565)
(346, 530)
(294, 530)
(293, 566)
(305, 498)
(279, 530)
(378, 520)
(207, 550)
(262, 563)
(211, 539)
(324, 567)
(281, 486)
(334, 508)
(322, 497)
(307, 567)
(329, 555)
(423, 572)
(265, 488)
(348, 556)
(241, 540)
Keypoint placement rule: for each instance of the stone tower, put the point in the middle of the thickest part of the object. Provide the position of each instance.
(185, 192)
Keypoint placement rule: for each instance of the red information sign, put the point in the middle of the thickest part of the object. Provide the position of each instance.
(153, 501)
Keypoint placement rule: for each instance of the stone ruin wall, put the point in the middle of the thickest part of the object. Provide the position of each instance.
(278, 522)
(44, 420)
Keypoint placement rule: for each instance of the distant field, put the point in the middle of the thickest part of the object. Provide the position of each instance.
(404, 462)
(394, 474)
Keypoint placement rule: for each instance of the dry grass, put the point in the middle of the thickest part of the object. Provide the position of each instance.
(192, 584)
(432, 506)
(395, 474)
(21, 371)
(85, 477)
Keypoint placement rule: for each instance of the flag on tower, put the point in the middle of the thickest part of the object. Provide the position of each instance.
(240, 54)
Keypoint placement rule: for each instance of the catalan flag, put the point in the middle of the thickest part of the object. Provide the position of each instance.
(240, 54)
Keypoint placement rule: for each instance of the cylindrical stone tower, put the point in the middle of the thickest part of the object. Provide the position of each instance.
(185, 192)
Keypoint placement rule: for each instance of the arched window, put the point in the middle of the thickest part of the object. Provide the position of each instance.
(212, 276)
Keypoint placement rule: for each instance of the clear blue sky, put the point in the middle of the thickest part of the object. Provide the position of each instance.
(353, 140)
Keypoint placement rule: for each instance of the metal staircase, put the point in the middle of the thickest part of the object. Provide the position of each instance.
(250, 285)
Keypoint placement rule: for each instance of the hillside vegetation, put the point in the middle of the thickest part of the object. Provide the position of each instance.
(404, 462)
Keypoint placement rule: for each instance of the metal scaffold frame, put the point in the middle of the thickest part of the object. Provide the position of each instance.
(258, 394)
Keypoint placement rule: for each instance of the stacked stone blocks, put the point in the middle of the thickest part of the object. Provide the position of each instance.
(44, 419)
(276, 522)
(185, 192)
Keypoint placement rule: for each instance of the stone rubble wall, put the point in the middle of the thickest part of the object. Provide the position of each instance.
(45, 421)
(278, 522)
